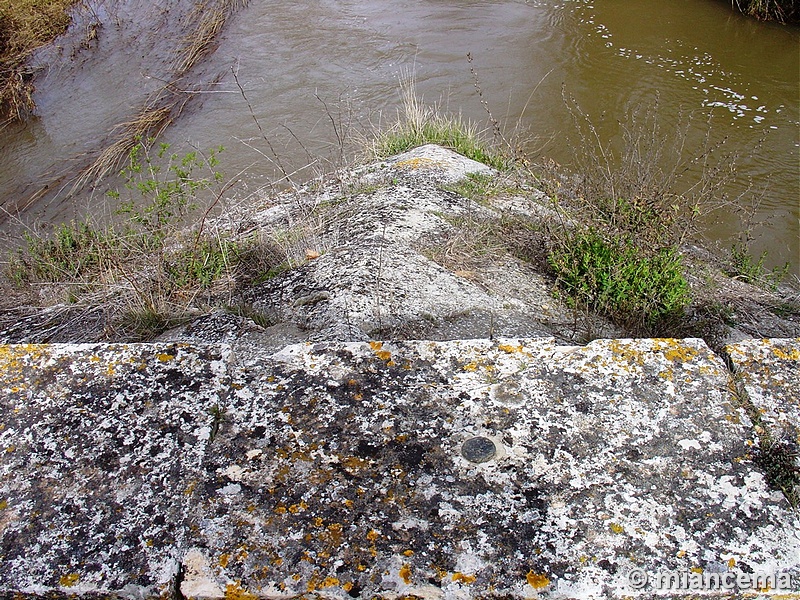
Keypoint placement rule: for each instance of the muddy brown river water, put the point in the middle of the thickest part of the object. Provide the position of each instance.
(306, 64)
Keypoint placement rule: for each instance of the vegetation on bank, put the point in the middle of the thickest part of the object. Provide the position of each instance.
(612, 246)
(25, 25)
(784, 11)
(161, 262)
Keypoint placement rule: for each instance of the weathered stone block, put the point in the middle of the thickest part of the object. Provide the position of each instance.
(100, 448)
(464, 469)
(770, 372)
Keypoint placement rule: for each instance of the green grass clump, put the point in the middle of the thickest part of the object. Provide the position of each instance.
(614, 277)
(743, 266)
(74, 251)
(418, 125)
(210, 260)
(449, 132)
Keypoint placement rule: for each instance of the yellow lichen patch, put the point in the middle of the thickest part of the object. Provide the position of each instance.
(416, 163)
(69, 580)
(792, 354)
(408, 553)
(235, 591)
(223, 560)
(3, 504)
(373, 535)
(681, 553)
(329, 582)
(347, 586)
(696, 569)
(296, 508)
(509, 348)
(680, 354)
(384, 355)
(405, 574)
(465, 579)
(627, 353)
(616, 528)
(472, 367)
(17, 359)
(731, 563)
(165, 357)
(537, 581)
(354, 464)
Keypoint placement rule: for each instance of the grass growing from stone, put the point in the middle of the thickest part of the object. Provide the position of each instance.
(24, 26)
(418, 124)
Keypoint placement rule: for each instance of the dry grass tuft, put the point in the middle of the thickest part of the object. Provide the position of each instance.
(784, 11)
(25, 25)
(165, 104)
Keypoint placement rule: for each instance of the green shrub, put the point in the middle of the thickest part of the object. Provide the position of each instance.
(159, 198)
(614, 277)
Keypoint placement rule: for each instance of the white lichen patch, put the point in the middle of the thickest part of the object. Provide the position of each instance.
(428, 162)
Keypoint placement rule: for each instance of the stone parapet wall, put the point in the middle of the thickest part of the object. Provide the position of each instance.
(458, 469)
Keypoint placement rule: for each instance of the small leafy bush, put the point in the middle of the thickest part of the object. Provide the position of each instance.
(614, 277)
(160, 198)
